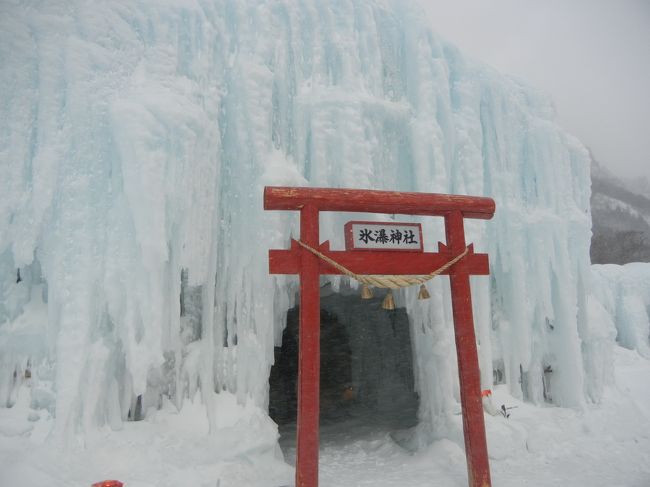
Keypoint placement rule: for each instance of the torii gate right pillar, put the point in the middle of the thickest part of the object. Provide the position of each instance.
(478, 469)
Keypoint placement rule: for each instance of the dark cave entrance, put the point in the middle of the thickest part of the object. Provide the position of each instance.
(366, 376)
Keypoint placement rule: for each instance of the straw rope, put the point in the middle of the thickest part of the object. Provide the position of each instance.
(385, 281)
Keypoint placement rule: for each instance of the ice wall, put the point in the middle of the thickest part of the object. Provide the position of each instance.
(136, 138)
(624, 293)
(619, 313)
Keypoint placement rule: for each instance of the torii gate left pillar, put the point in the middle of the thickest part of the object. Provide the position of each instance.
(297, 260)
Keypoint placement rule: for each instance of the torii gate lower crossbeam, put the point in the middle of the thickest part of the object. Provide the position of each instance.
(453, 208)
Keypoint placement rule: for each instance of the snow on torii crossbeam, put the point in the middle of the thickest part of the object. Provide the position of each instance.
(299, 260)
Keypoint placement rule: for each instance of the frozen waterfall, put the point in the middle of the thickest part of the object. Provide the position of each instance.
(136, 138)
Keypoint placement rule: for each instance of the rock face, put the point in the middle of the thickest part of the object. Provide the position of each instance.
(366, 364)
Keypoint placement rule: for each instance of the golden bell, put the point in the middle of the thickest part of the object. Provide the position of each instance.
(388, 303)
(366, 292)
(424, 293)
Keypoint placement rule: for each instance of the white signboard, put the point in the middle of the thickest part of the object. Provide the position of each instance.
(383, 236)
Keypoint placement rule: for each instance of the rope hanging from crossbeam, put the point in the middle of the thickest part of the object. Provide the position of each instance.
(385, 281)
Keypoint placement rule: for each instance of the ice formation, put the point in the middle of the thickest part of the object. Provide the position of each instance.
(624, 293)
(135, 141)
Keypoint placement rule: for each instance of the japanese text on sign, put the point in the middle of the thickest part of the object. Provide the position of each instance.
(384, 236)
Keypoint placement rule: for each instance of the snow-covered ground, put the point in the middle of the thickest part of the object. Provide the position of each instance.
(599, 445)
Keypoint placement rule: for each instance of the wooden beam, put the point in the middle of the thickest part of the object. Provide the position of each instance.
(478, 467)
(307, 434)
(376, 262)
(372, 201)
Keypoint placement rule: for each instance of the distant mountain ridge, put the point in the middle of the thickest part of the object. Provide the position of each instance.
(621, 218)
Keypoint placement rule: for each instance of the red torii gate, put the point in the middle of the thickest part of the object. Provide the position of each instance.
(298, 260)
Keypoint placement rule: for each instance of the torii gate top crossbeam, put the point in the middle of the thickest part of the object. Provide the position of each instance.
(372, 201)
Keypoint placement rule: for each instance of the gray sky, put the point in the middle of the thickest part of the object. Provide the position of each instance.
(591, 56)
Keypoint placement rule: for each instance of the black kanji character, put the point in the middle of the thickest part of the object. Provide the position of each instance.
(395, 236)
(409, 237)
(365, 235)
(380, 236)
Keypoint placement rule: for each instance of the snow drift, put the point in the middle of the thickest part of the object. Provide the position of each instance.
(136, 138)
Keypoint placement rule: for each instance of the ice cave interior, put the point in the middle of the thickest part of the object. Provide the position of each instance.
(366, 376)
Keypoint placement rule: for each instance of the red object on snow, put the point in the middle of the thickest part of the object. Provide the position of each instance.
(108, 483)
(486, 393)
